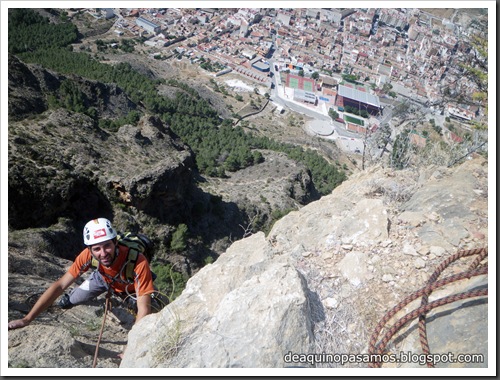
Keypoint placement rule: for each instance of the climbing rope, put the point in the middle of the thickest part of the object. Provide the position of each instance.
(106, 308)
(425, 298)
(475, 269)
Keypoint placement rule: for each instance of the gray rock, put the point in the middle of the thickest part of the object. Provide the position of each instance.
(419, 263)
(387, 278)
(261, 299)
(367, 222)
(354, 267)
(456, 328)
(53, 347)
(256, 312)
(409, 249)
(438, 251)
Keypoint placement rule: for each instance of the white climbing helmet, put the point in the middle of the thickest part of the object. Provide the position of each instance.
(97, 231)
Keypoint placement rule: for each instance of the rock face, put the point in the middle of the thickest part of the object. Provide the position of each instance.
(278, 183)
(47, 179)
(63, 164)
(314, 284)
(31, 85)
(326, 275)
(210, 325)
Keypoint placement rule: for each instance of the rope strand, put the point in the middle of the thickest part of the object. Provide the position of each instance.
(108, 297)
(474, 270)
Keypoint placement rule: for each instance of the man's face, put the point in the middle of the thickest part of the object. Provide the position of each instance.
(104, 252)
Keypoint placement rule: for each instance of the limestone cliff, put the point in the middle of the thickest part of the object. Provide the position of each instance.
(319, 282)
(326, 274)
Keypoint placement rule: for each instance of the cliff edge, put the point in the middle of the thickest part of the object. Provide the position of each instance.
(324, 277)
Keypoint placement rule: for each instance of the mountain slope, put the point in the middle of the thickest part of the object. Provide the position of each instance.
(326, 275)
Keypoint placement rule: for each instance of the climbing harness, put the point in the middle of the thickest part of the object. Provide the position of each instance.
(137, 243)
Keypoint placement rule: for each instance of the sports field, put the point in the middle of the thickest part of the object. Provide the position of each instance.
(295, 81)
(353, 120)
(308, 86)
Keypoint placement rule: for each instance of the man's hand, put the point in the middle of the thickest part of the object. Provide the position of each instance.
(47, 298)
(18, 323)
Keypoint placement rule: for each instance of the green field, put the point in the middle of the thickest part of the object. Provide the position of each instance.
(351, 119)
(294, 83)
(308, 86)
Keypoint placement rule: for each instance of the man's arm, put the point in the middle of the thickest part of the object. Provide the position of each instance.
(143, 309)
(143, 306)
(47, 298)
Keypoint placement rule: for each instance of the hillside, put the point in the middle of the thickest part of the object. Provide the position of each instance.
(326, 275)
(320, 281)
(138, 172)
(265, 246)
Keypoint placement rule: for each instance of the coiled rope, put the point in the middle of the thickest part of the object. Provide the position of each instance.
(376, 350)
(482, 253)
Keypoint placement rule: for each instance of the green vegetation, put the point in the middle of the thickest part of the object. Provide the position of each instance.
(169, 341)
(127, 45)
(179, 238)
(350, 78)
(353, 120)
(400, 152)
(333, 114)
(277, 215)
(70, 97)
(218, 146)
(92, 325)
(113, 125)
(477, 71)
(213, 67)
(387, 87)
(355, 111)
(29, 31)
(168, 282)
(436, 127)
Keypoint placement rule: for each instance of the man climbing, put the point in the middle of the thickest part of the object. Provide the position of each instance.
(112, 259)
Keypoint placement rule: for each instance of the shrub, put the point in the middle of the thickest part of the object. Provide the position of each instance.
(179, 238)
(168, 282)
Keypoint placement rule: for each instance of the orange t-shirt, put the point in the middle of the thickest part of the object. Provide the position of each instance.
(143, 282)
